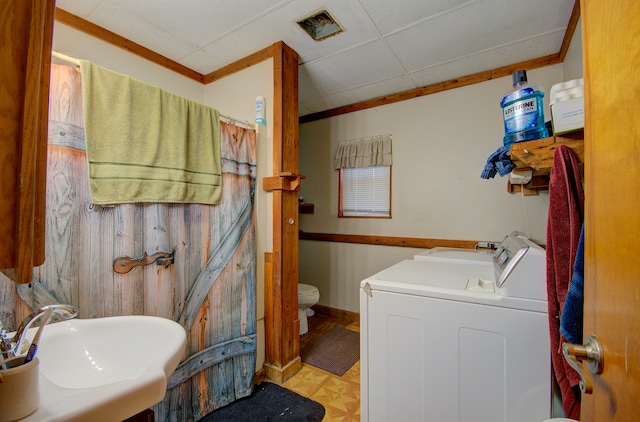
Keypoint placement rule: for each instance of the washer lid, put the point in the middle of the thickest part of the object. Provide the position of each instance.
(420, 275)
(471, 283)
(458, 255)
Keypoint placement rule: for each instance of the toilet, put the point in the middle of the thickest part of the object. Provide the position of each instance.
(308, 296)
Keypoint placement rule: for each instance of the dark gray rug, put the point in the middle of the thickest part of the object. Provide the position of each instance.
(335, 351)
(269, 402)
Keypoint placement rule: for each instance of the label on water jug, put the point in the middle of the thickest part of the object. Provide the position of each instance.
(520, 115)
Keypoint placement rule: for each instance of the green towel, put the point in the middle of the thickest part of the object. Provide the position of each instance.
(145, 144)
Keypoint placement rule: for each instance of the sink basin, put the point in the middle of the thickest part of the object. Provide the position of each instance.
(105, 369)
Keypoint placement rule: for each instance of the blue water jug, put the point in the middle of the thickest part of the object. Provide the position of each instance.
(523, 111)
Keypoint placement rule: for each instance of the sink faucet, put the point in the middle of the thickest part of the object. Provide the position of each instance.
(10, 347)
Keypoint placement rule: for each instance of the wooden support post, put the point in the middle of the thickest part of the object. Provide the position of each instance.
(282, 328)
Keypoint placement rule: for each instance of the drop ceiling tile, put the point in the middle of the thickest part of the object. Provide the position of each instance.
(434, 40)
(254, 35)
(281, 25)
(367, 64)
(304, 109)
(357, 28)
(200, 61)
(390, 16)
(312, 98)
(487, 60)
(307, 87)
(200, 21)
(478, 27)
(112, 16)
(327, 102)
(78, 8)
(382, 88)
(229, 50)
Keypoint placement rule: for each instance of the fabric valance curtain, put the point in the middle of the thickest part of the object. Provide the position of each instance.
(366, 152)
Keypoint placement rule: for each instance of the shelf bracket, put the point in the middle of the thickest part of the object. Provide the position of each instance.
(285, 181)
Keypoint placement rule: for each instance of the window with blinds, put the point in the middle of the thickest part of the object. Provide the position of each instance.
(365, 192)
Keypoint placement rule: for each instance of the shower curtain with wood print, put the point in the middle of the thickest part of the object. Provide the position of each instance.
(210, 288)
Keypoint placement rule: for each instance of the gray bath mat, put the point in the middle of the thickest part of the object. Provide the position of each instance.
(335, 351)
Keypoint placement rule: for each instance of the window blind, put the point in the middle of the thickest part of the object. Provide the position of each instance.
(366, 191)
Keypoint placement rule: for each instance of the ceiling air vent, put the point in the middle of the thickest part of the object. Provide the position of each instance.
(320, 25)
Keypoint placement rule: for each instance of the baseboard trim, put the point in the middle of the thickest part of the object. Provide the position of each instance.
(280, 375)
(338, 313)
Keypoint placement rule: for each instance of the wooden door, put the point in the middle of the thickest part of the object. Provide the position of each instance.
(611, 51)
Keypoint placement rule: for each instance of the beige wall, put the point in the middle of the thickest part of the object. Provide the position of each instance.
(440, 146)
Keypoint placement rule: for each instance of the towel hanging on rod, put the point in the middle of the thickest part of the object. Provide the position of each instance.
(227, 119)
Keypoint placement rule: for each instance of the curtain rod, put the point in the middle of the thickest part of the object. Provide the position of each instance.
(226, 119)
(65, 58)
(237, 122)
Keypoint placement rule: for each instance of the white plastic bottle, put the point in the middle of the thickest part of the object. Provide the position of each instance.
(260, 111)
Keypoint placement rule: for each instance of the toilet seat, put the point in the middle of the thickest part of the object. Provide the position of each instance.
(307, 290)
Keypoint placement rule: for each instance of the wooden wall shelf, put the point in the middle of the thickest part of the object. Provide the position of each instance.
(306, 208)
(537, 156)
(285, 181)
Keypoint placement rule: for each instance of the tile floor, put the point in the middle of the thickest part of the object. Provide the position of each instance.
(340, 396)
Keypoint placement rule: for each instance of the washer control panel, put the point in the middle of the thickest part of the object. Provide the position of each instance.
(519, 267)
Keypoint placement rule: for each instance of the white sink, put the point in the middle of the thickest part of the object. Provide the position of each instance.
(105, 369)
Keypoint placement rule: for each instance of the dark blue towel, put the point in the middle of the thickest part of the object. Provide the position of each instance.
(498, 162)
(571, 317)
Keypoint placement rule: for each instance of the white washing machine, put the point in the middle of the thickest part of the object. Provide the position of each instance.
(457, 336)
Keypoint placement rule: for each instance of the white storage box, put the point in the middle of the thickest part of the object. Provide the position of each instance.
(567, 106)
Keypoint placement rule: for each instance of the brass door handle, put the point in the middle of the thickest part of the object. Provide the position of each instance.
(591, 353)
